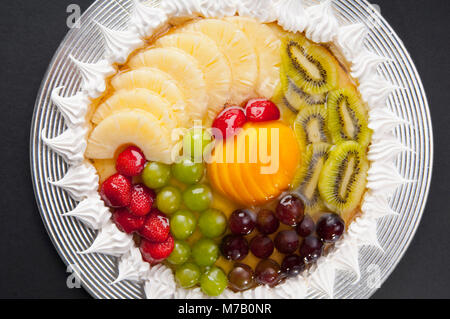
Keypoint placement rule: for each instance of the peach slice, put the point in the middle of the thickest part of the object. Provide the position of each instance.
(263, 163)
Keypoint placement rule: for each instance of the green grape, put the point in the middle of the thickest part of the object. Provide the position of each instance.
(156, 175)
(212, 223)
(197, 197)
(187, 275)
(188, 172)
(182, 224)
(205, 268)
(180, 253)
(205, 252)
(168, 200)
(195, 143)
(213, 282)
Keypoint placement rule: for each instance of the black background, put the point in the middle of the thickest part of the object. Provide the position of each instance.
(30, 32)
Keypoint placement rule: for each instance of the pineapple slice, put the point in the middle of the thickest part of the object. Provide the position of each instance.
(137, 99)
(136, 127)
(267, 46)
(154, 80)
(278, 30)
(239, 52)
(184, 69)
(212, 62)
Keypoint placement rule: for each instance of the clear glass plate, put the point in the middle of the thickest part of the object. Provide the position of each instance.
(98, 271)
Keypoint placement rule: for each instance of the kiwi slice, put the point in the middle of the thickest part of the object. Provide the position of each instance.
(296, 98)
(280, 100)
(311, 125)
(343, 178)
(347, 119)
(310, 66)
(307, 177)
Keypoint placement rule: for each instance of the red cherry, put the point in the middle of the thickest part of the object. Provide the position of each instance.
(261, 110)
(127, 222)
(142, 199)
(116, 191)
(131, 162)
(156, 227)
(154, 253)
(227, 122)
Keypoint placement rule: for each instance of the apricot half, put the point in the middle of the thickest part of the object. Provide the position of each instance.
(257, 165)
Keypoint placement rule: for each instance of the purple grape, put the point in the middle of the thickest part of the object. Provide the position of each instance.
(306, 227)
(311, 249)
(330, 227)
(292, 265)
(234, 247)
(287, 241)
(241, 277)
(261, 246)
(242, 222)
(266, 222)
(268, 272)
(290, 210)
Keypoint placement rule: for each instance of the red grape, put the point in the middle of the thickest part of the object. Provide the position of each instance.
(306, 227)
(330, 227)
(266, 222)
(292, 265)
(242, 222)
(234, 247)
(261, 246)
(290, 210)
(311, 249)
(287, 241)
(267, 272)
(241, 277)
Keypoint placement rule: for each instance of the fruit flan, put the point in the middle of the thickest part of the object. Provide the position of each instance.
(232, 149)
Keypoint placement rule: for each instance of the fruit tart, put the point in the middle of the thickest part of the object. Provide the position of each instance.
(230, 149)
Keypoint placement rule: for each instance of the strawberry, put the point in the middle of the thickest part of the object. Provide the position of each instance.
(127, 222)
(227, 122)
(156, 227)
(142, 199)
(131, 162)
(116, 191)
(155, 253)
(261, 110)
